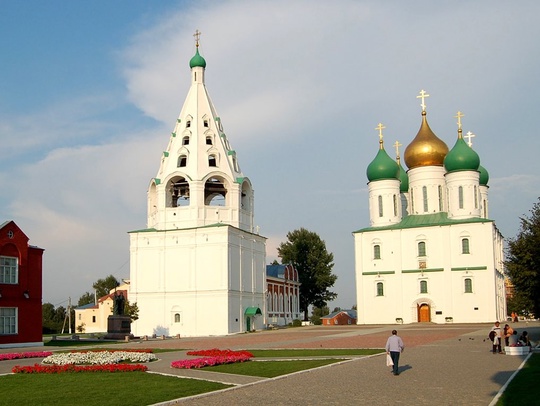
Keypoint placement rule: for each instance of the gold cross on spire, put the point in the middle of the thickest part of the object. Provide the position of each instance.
(397, 145)
(423, 96)
(458, 116)
(469, 136)
(380, 128)
(197, 36)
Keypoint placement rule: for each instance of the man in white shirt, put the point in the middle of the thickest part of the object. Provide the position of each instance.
(394, 347)
(497, 338)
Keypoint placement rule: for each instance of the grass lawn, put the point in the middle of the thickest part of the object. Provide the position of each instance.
(270, 369)
(524, 389)
(82, 389)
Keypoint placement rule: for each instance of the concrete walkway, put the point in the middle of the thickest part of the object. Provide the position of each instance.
(442, 365)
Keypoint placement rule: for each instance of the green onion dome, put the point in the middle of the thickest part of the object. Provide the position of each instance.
(382, 167)
(404, 179)
(484, 175)
(197, 60)
(461, 157)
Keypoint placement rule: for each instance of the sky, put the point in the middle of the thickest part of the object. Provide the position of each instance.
(89, 93)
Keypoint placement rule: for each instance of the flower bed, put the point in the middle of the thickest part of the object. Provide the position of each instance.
(98, 357)
(19, 355)
(211, 358)
(57, 369)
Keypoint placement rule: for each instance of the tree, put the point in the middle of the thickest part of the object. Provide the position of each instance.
(49, 323)
(86, 298)
(307, 253)
(523, 264)
(317, 313)
(131, 310)
(104, 286)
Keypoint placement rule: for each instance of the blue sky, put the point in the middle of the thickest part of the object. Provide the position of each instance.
(89, 92)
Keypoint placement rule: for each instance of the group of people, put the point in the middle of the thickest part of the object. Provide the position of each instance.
(509, 335)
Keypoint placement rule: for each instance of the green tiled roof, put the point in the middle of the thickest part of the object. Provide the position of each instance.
(425, 220)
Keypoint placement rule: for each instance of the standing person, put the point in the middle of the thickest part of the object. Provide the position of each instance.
(394, 347)
(507, 333)
(497, 338)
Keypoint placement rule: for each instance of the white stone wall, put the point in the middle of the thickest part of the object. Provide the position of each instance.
(446, 270)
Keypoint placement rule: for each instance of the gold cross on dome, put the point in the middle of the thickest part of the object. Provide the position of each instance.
(380, 128)
(197, 36)
(458, 116)
(397, 145)
(423, 96)
(469, 136)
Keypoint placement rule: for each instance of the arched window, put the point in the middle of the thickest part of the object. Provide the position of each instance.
(177, 317)
(465, 246)
(460, 196)
(185, 140)
(377, 252)
(380, 206)
(424, 196)
(380, 289)
(182, 161)
(468, 285)
(212, 161)
(209, 140)
(423, 286)
(422, 249)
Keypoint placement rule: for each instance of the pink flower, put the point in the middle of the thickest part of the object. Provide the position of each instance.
(212, 357)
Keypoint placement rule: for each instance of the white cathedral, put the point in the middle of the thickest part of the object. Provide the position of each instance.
(431, 253)
(198, 269)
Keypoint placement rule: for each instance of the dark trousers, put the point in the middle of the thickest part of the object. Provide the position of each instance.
(395, 359)
(497, 347)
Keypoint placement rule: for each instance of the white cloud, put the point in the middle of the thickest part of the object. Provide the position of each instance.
(300, 87)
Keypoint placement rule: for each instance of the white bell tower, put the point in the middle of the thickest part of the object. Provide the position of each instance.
(200, 264)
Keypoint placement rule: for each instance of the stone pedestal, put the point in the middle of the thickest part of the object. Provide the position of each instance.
(118, 327)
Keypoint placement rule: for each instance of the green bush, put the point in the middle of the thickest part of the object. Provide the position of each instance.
(297, 323)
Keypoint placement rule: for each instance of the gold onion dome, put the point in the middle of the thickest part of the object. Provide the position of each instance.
(426, 149)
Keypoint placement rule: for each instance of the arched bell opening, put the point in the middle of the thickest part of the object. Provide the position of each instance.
(178, 192)
(215, 192)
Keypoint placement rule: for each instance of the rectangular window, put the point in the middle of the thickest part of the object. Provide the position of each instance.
(8, 270)
(395, 205)
(468, 285)
(8, 320)
(440, 199)
(425, 198)
(460, 192)
(380, 289)
(423, 286)
(465, 246)
(376, 252)
(93, 319)
(421, 249)
(475, 197)
(380, 206)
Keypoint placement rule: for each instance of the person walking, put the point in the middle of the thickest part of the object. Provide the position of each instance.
(394, 347)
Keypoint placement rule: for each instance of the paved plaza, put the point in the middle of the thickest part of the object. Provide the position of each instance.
(441, 365)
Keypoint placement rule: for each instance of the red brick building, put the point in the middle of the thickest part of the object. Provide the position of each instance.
(340, 318)
(20, 289)
(283, 295)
